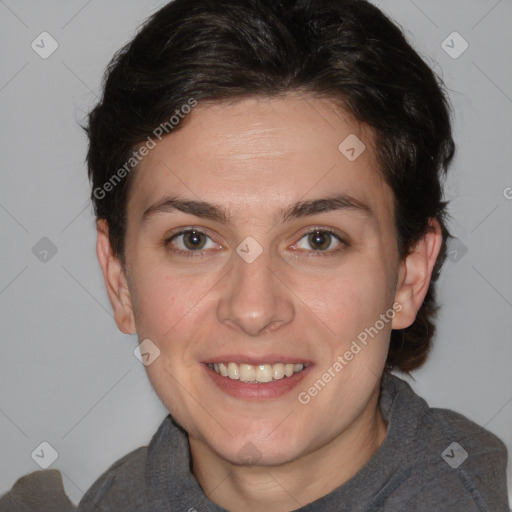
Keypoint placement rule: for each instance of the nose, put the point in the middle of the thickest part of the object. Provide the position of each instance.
(255, 300)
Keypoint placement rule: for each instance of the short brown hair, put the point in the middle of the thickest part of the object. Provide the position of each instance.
(347, 50)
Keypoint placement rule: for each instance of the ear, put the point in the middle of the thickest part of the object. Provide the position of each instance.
(115, 280)
(415, 274)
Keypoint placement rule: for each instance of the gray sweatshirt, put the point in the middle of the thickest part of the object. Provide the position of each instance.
(431, 460)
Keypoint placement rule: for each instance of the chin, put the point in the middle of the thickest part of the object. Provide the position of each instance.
(255, 450)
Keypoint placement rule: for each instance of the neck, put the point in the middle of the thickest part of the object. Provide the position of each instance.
(290, 486)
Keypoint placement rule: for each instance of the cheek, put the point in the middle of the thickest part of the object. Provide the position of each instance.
(347, 299)
(165, 303)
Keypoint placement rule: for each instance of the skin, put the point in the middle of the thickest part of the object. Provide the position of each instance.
(255, 157)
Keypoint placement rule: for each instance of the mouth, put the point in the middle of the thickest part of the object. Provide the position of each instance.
(259, 373)
(256, 380)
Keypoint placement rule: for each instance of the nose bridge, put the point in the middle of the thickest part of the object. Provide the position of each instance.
(254, 300)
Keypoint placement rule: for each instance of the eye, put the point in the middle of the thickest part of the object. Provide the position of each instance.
(189, 241)
(320, 240)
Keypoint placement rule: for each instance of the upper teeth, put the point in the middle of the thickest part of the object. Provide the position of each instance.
(256, 373)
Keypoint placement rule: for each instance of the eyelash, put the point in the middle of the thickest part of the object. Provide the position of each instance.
(312, 252)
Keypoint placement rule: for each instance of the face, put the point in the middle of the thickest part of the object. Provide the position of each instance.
(255, 243)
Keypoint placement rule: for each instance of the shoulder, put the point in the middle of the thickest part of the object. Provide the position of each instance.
(468, 461)
(451, 425)
(435, 427)
(131, 483)
(453, 463)
(121, 487)
(463, 445)
(33, 492)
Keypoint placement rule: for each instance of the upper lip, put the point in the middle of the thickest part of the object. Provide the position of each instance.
(256, 360)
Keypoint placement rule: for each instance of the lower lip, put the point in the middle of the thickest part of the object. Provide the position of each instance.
(260, 390)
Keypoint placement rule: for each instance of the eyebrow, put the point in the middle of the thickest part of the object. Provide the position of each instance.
(300, 209)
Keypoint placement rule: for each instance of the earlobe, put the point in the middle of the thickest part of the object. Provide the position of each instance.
(115, 280)
(415, 275)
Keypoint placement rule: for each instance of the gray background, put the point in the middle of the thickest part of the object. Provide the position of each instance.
(70, 378)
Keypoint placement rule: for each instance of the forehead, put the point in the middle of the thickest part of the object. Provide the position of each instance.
(263, 151)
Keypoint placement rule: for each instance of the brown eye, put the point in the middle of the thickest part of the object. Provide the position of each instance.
(193, 240)
(320, 240)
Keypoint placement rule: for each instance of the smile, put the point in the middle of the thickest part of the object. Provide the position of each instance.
(260, 373)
